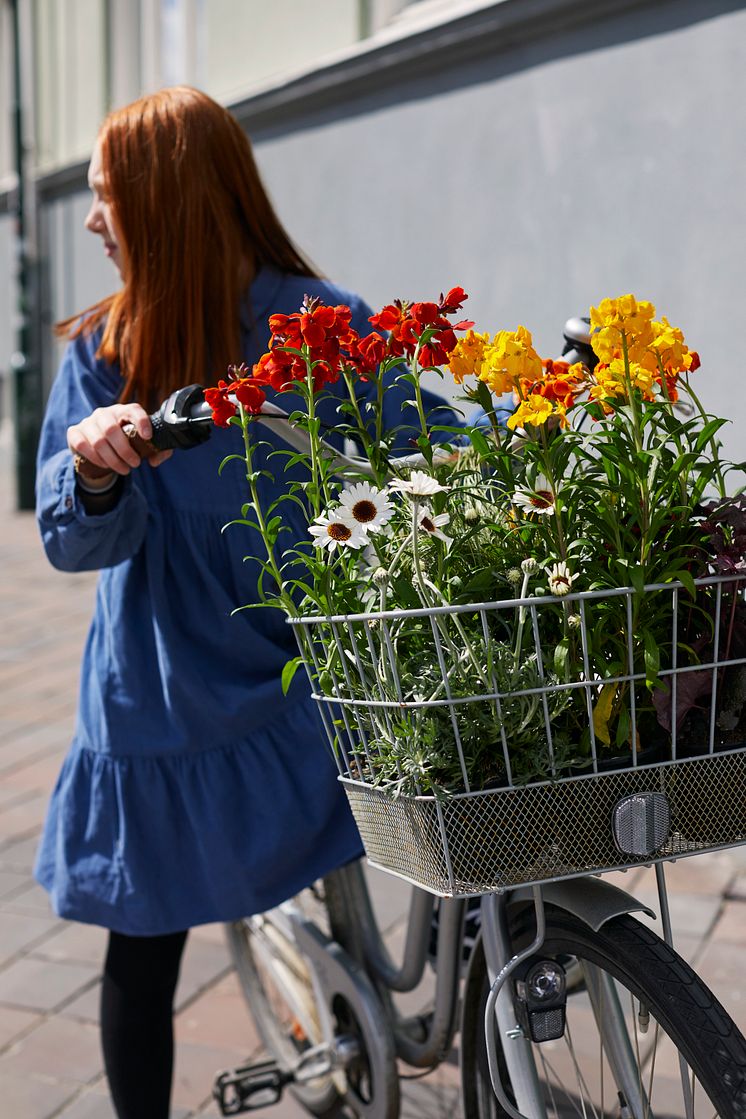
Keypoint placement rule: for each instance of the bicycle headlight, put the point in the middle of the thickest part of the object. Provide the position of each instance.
(540, 999)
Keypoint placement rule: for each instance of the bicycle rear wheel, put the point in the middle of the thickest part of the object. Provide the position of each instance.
(277, 986)
(636, 998)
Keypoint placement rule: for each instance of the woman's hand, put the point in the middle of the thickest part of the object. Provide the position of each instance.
(100, 440)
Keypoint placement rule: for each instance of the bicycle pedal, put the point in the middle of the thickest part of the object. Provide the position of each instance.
(250, 1087)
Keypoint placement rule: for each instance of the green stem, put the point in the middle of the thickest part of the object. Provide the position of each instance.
(313, 435)
(380, 389)
(416, 553)
(548, 471)
(462, 634)
(286, 599)
(418, 399)
(637, 436)
(519, 627)
(712, 443)
(684, 474)
(362, 430)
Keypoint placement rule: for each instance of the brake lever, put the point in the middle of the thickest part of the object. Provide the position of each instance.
(179, 423)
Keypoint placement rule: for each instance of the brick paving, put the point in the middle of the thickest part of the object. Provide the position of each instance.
(50, 1064)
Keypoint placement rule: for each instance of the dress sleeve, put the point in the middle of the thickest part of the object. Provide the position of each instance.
(73, 539)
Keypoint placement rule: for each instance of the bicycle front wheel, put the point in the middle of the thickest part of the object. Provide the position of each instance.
(644, 1036)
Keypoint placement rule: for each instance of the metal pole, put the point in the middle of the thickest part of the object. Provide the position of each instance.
(25, 363)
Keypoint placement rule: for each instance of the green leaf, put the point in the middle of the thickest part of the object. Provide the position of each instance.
(652, 657)
(562, 659)
(637, 578)
(230, 458)
(707, 432)
(241, 521)
(687, 579)
(478, 441)
(602, 712)
(289, 672)
(622, 728)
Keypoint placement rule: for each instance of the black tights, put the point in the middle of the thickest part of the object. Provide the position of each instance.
(137, 996)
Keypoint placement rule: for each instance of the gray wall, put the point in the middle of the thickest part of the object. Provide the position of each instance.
(598, 160)
(77, 272)
(541, 173)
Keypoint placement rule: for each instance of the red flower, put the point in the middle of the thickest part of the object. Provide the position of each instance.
(279, 369)
(316, 325)
(426, 314)
(250, 394)
(453, 301)
(389, 316)
(244, 388)
(408, 322)
(222, 408)
(322, 330)
(368, 352)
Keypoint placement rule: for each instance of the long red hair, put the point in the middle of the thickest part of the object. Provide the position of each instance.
(195, 222)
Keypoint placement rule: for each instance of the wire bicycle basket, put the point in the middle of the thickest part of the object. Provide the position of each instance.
(483, 746)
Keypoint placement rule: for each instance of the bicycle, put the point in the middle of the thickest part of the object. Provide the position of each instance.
(320, 985)
(558, 947)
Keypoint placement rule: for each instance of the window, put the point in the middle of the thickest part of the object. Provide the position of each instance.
(71, 73)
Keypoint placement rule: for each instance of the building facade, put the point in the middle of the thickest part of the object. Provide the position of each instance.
(541, 153)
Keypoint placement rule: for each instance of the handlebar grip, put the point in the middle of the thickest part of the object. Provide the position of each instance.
(178, 424)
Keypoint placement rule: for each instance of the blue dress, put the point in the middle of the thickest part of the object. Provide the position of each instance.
(194, 791)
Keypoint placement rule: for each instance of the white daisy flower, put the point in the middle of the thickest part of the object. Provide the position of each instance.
(560, 579)
(364, 505)
(431, 524)
(419, 484)
(332, 531)
(539, 500)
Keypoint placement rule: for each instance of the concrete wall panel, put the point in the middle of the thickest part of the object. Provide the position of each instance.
(542, 178)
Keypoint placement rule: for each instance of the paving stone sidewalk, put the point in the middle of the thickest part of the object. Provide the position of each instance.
(50, 1064)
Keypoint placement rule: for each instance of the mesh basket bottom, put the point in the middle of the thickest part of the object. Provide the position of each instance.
(479, 842)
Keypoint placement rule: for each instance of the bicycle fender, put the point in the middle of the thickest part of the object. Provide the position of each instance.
(589, 899)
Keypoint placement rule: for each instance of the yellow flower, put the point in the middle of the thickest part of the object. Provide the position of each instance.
(667, 344)
(624, 313)
(611, 381)
(533, 411)
(509, 359)
(466, 358)
(614, 318)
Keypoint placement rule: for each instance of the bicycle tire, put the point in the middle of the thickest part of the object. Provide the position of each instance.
(633, 955)
(321, 1098)
(328, 904)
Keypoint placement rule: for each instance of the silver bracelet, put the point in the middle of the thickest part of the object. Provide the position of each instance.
(81, 482)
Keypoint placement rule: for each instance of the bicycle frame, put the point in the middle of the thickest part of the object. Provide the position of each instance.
(591, 899)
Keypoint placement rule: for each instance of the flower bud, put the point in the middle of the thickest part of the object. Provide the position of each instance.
(380, 576)
(471, 516)
(574, 621)
(529, 566)
(513, 576)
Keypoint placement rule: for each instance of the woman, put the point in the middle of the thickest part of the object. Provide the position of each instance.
(193, 791)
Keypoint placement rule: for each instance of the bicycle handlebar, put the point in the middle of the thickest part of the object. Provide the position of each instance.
(184, 419)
